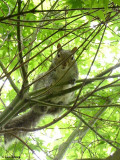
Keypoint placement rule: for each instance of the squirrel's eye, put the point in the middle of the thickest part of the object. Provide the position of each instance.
(58, 55)
(72, 57)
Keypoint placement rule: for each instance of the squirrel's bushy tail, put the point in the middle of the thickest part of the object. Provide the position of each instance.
(26, 120)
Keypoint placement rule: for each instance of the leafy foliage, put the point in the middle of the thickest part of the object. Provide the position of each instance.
(28, 41)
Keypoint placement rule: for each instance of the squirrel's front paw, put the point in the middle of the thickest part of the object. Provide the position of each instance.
(72, 81)
(43, 109)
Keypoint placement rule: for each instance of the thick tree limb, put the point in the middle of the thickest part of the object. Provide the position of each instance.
(65, 145)
(88, 125)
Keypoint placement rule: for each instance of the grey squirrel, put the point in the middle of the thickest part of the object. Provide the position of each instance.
(62, 69)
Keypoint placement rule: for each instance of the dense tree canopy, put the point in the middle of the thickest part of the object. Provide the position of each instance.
(29, 33)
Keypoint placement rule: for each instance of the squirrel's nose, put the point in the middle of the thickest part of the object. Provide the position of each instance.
(64, 64)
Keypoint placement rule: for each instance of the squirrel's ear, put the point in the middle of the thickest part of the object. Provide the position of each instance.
(74, 50)
(59, 47)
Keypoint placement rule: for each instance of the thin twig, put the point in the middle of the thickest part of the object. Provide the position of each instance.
(9, 78)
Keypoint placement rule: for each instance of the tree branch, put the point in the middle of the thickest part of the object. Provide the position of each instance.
(115, 156)
(40, 11)
(24, 74)
(88, 125)
(34, 35)
(65, 145)
(9, 78)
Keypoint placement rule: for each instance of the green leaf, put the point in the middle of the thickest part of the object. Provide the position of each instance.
(116, 2)
(105, 4)
(75, 3)
(101, 15)
(83, 29)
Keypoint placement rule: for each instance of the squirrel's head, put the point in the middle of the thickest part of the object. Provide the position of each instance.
(64, 57)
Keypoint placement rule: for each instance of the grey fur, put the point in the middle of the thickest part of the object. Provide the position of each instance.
(67, 71)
